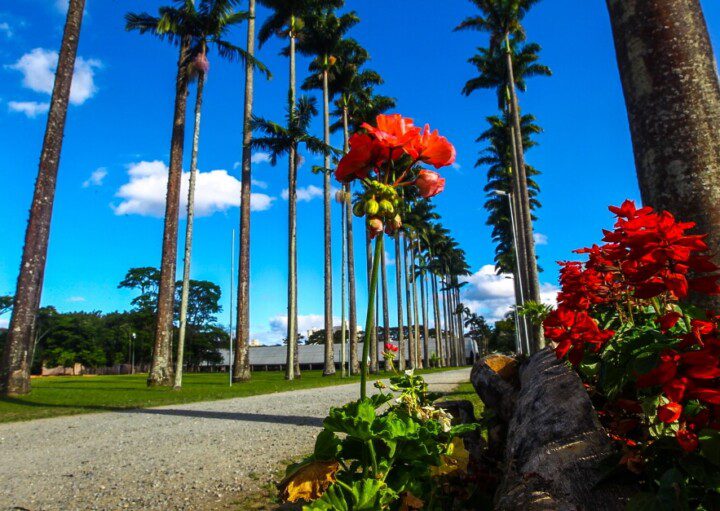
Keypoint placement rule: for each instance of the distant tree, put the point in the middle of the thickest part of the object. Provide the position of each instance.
(6, 302)
(502, 339)
(146, 280)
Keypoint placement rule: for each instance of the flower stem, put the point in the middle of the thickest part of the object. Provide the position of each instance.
(370, 318)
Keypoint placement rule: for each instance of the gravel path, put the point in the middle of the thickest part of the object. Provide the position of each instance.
(174, 457)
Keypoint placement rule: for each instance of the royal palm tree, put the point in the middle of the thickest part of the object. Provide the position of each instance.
(207, 26)
(171, 24)
(241, 365)
(281, 140)
(503, 21)
(322, 39)
(398, 288)
(674, 116)
(19, 345)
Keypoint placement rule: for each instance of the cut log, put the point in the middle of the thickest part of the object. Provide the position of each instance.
(495, 380)
(555, 444)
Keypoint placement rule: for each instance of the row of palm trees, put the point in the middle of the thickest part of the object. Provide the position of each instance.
(504, 65)
(197, 28)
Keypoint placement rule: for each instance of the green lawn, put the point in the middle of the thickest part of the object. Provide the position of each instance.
(69, 395)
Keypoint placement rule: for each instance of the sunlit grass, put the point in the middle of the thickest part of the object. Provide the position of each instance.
(70, 395)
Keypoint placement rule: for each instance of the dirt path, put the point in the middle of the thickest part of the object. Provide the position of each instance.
(174, 457)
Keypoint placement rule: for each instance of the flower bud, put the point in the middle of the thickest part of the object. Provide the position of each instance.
(332, 60)
(386, 206)
(372, 207)
(375, 225)
(396, 223)
(359, 209)
(429, 183)
(201, 63)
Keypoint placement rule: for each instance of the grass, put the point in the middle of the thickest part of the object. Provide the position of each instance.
(465, 391)
(71, 395)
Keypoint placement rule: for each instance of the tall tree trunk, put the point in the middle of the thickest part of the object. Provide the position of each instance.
(161, 368)
(373, 334)
(669, 77)
(416, 315)
(352, 297)
(452, 341)
(241, 368)
(408, 302)
(438, 325)
(426, 333)
(329, 368)
(386, 306)
(187, 259)
(398, 289)
(19, 345)
(343, 287)
(460, 328)
(524, 220)
(292, 227)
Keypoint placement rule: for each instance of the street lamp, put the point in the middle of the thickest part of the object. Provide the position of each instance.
(523, 340)
(132, 352)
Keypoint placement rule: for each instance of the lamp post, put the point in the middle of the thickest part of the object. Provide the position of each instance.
(522, 333)
(132, 352)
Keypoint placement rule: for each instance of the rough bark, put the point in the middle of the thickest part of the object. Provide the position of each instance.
(292, 332)
(241, 367)
(438, 325)
(670, 81)
(398, 288)
(161, 369)
(495, 380)
(343, 288)
(416, 316)
(426, 331)
(329, 368)
(19, 346)
(408, 306)
(555, 444)
(187, 259)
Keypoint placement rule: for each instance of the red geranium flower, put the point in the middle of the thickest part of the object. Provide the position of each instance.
(429, 183)
(669, 412)
(687, 440)
(431, 148)
(669, 320)
(390, 347)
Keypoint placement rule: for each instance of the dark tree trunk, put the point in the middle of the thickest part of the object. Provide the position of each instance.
(19, 346)
(398, 288)
(408, 306)
(438, 324)
(161, 373)
(241, 368)
(426, 334)
(329, 368)
(386, 306)
(352, 297)
(669, 77)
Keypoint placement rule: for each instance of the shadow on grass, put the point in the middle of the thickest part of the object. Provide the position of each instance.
(297, 420)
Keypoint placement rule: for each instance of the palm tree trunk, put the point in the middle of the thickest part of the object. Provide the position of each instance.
(416, 316)
(343, 290)
(426, 333)
(352, 301)
(241, 368)
(669, 76)
(329, 368)
(185, 293)
(19, 345)
(408, 301)
(438, 325)
(373, 334)
(460, 328)
(450, 326)
(386, 307)
(524, 220)
(292, 228)
(398, 288)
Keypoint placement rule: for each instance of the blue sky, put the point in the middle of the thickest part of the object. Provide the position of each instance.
(110, 190)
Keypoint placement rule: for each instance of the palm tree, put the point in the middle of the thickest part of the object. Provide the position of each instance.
(241, 367)
(207, 26)
(169, 18)
(284, 140)
(322, 38)
(398, 287)
(502, 20)
(17, 359)
(386, 307)
(665, 45)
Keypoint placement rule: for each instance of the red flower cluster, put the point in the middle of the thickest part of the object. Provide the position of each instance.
(390, 347)
(391, 138)
(573, 331)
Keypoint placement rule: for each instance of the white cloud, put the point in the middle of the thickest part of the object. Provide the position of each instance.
(456, 166)
(6, 29)
(492, 296)
(38, 69)
(304, 194)
(76, 299)
(389, 260)
(30, 108)
(540, 239)
(215, 191)
(260, 157)
(259, 184)
(4, 322)
(96, 178)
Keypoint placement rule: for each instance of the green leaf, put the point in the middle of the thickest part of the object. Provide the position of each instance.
(327, 446)
(643, 502)
(354, 419)
(710, 445)
(672, 494)
(461, 429)
(332, 500)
